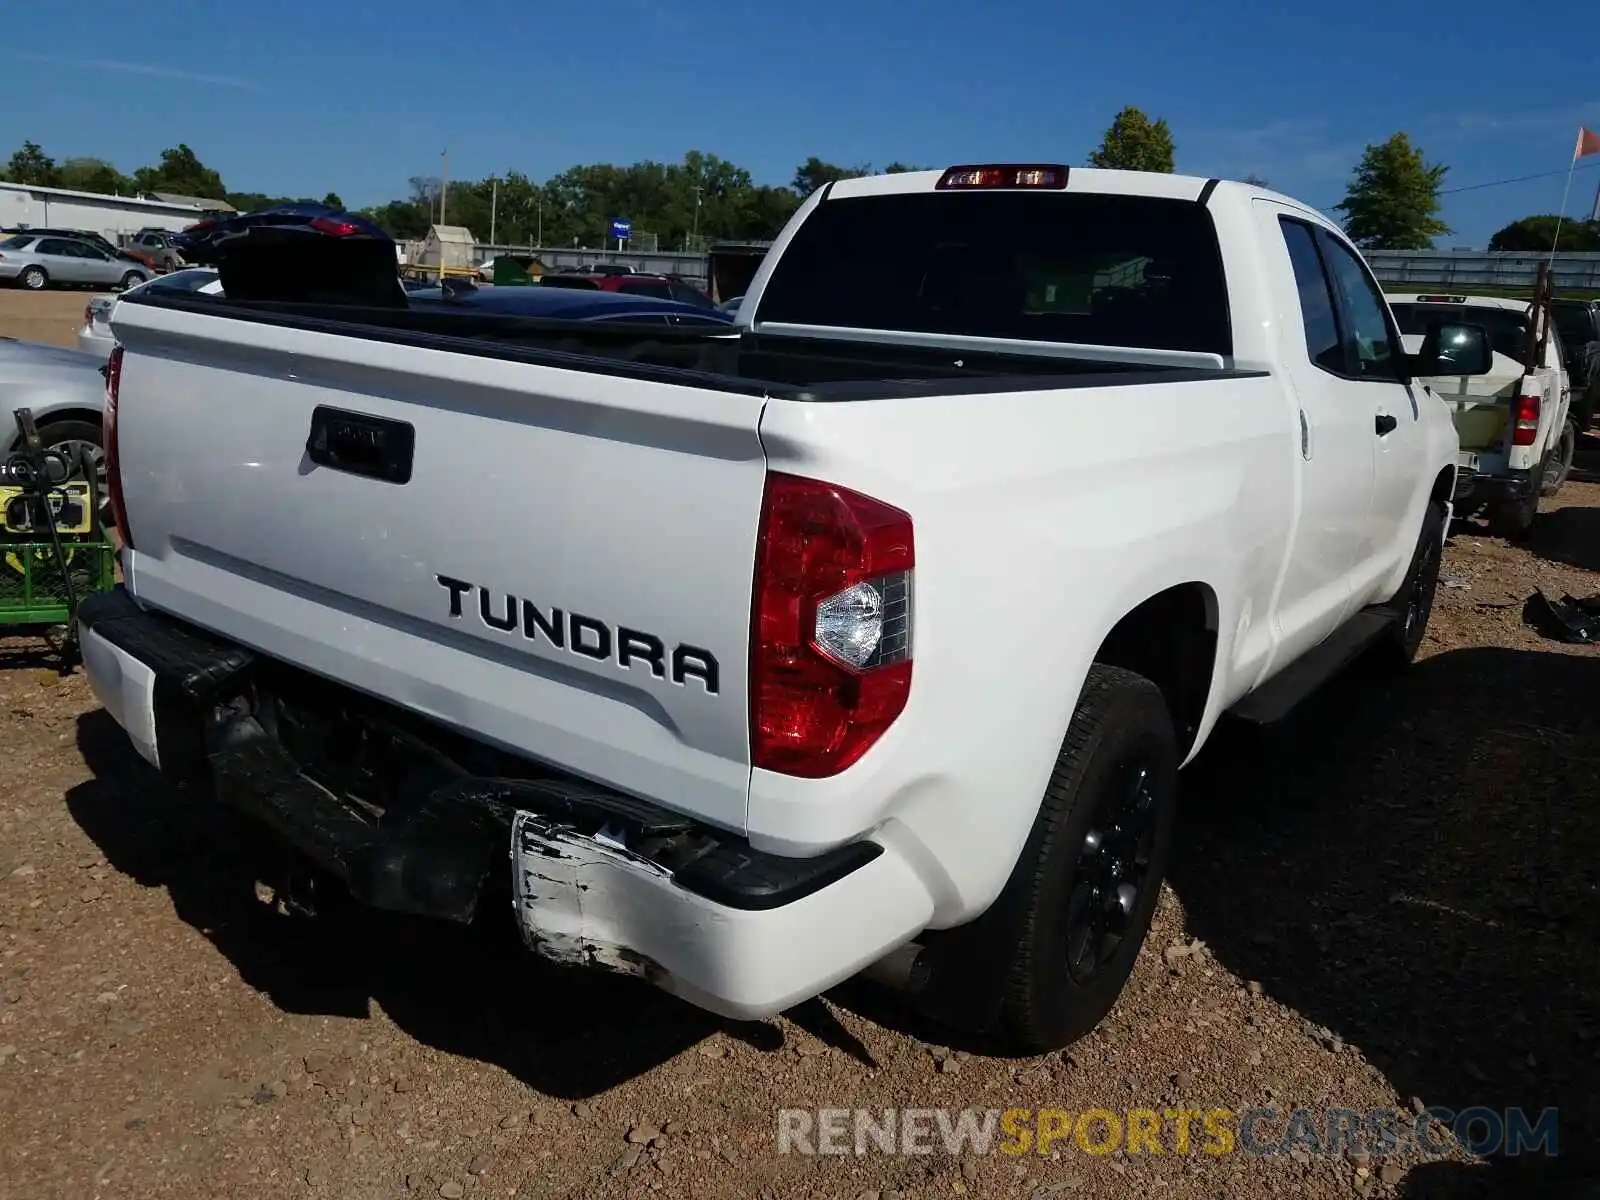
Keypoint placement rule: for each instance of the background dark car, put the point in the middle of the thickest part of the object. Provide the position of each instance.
(660, 287)
(1579, 324)
(568, 304)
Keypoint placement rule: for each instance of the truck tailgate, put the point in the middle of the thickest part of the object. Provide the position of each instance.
(566, 572)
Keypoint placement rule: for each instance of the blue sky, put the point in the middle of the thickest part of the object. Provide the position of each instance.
(298, 98)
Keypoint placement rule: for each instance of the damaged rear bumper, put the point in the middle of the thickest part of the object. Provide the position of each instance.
(417, 819)
(1475, 488)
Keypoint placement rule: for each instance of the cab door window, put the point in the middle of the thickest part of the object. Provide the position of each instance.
(1372, 348)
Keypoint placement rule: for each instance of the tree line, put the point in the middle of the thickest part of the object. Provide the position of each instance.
(1393, 199)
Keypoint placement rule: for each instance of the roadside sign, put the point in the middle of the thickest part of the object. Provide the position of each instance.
(621, 228)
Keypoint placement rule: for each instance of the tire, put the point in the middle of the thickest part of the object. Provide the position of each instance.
(1398, 647)
(132, 279)
(1513, 519)
(1105, 825)
(34, 279)
(1583, 405)
(1559, 464)
(68, 436)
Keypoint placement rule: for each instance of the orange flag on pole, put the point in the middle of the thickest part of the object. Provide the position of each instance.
(1588, 143)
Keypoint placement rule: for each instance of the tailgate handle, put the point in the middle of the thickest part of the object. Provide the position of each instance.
(358, 444)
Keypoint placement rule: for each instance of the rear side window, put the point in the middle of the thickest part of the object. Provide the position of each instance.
(659, 291)
(1058, 267)
(20, 242)
(688, 295)
(1317, 315)
(1369, 340)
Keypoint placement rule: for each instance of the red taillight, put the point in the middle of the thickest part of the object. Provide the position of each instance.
(1525, 410)
(108, 442)
(333, 226)
(830, 636)
(1015, 175)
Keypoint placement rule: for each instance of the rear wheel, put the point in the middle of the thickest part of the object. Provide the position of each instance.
(1559, 463)
(34, 279)
(1094, 861)
(132, 279)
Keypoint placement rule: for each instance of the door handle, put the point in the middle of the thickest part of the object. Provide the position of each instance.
(361, 444)
(1385, 424)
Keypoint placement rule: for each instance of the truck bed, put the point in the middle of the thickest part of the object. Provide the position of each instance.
(781, 366)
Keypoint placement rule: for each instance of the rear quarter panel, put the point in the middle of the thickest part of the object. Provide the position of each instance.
(1040, 520)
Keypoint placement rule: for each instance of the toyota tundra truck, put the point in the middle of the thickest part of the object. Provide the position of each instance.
(866, 635)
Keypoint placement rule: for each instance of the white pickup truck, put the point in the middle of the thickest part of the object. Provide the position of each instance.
(870, 632)
(1517, 438)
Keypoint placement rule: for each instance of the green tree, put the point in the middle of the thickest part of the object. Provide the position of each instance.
(1393, 202)
(1255, 180)
(181, 171)
(1539, 233)
(32, 165)
(814, 173)
(332, 200)
(94, 175)
(1135, 143)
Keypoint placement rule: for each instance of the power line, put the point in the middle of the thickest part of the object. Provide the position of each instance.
(1473, 187)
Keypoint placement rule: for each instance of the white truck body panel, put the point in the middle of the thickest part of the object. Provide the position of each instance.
(631, 502)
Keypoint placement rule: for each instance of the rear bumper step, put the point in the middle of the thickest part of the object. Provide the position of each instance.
(369, 795)
(442, 829)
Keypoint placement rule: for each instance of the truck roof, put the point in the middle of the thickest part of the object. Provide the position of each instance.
(1458, 298)
(1079, 179)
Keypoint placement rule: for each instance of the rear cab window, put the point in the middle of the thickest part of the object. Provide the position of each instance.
(1507, 327)
(1103, 270)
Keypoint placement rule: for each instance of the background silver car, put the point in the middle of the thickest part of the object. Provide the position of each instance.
(36, 263)
(66, 391)
(95, 335)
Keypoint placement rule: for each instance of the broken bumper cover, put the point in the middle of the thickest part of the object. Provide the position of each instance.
(597, 879)
(583, 901)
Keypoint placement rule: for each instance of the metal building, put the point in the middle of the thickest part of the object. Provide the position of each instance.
(23, 205)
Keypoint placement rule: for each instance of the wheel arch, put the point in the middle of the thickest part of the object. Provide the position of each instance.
(1170, 638)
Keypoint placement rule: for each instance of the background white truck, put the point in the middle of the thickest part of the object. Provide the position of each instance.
(872, 631)
(1514, 424)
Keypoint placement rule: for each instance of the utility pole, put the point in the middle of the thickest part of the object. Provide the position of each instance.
(444, 185)
(695, 236)
(541, 220)
(494, 202)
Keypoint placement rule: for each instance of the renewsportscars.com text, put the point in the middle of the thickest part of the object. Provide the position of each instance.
(1215, 1131)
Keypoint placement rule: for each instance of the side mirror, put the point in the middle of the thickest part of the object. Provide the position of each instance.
(1453, 350)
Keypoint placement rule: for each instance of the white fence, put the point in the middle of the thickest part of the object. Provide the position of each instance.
(1484, 268)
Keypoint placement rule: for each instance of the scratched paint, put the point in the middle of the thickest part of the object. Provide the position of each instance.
(574, 896)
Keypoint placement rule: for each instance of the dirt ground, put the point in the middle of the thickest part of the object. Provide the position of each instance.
(52, 316)
(1389, 900)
